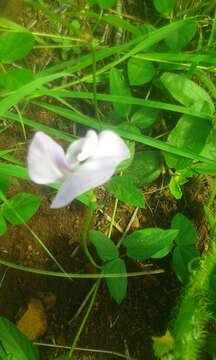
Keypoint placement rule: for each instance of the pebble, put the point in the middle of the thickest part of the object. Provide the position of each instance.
(33, 322)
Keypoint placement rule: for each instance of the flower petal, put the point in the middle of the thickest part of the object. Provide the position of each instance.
(46, 160)
(89, 145)
(92, 173)
(111, 145)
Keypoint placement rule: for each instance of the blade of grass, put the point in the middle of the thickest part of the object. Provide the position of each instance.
(145, 43)
(38, 126)
(22, 92)
(143, 139)
(122, 100)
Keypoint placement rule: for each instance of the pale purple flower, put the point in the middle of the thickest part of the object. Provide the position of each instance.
(89, 162)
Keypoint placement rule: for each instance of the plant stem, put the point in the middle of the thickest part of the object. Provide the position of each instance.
(87, 222)
(85, 318)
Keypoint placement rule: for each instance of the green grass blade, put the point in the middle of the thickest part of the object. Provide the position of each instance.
(143, 139)
(38, 126)
(26, 90)
(124, 100)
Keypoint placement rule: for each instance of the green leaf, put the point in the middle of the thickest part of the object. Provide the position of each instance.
(189, 134)
(143, 244)
(124, 189)
(144, 118)
(15, 344)
(21, 207)
(64, 358)
(3, 225)
(15, 78)
(118, 86)
(117, 285)
(164, 7)
(140, 71)
(187, 92)
(4, 183)
(181, 38)
(105, 247)
(15, 46)
(145, 167)
(187, 234)
(162, 253)
(182, 258)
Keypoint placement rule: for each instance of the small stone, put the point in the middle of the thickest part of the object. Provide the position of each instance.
(33, 322)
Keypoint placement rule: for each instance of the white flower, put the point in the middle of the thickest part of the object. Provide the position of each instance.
(89, 162)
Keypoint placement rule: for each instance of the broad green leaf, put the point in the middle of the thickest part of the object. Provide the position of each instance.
(21, 207)
(145, 167)
(187, 234)
(4, 182)
(140, 71)
(117, 285)
(143, 244)
(3, 225)
(182, 259)
(15, 78)
(105, 247)
(144, 118)
(119, 86)
(187, 92)
(164, 7)
(15, 343)
(178, 39)
(124, 189)
(189, 134)
(162, 253)
(15, 46)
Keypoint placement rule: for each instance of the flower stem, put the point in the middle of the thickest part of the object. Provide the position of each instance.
(86, 226)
